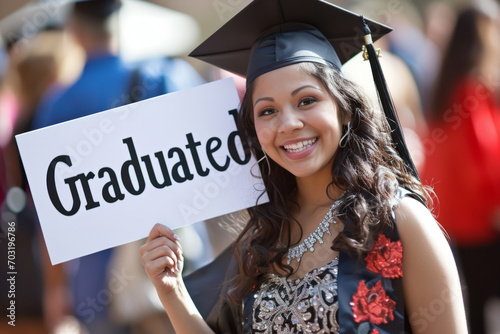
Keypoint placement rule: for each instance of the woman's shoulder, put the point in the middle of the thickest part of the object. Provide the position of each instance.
(416, 224)
(411, 215)
(425, 242)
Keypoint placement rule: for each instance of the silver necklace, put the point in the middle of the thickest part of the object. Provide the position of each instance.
(317, 236)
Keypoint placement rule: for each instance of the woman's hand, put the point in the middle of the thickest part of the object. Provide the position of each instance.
(163, 261)
(162, 258)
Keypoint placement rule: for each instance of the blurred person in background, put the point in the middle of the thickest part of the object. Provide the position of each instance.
(463, 151)
(438, 21)
(34, 64)
(48, 58)
(81, 287)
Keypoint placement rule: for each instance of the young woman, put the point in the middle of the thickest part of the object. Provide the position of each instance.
(325, 255)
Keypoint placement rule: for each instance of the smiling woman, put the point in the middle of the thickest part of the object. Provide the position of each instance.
(346, 243)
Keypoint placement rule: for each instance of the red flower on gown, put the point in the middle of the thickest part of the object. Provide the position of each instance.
(372, 304)
(386, 258)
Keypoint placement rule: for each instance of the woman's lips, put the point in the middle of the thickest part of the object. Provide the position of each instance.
(300, 149)
(300, 146)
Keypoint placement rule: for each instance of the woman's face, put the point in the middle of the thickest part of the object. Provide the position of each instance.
(296, 121)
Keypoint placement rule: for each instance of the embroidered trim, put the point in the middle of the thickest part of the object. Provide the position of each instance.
(307, 305)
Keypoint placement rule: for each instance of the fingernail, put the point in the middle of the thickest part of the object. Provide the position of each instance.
(176, 237)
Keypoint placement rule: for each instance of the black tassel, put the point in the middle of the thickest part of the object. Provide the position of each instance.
(387, 104)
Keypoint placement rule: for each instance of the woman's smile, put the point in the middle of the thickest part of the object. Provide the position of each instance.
(299, 149)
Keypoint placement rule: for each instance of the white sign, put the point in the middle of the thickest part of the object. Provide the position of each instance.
(104, 180)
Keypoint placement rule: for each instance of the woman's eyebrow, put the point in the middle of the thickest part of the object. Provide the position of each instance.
(302, 87)
(270, 99)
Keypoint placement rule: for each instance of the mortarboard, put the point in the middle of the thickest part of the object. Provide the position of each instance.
(269, 34)
(231, 46)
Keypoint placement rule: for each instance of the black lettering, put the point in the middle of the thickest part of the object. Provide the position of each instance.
(181, 164)
(86, 190)
(113, 183)
(163, 166)
(211, 150)
(232, 144)
(134, 163)
(194, 153)
(51, 187)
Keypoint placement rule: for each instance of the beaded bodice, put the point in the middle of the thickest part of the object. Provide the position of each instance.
(306, 305)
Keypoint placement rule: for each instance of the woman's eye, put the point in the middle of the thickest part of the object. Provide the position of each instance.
(267, 111)
(307, 101)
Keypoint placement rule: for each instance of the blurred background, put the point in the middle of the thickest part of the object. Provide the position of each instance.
(60, 61)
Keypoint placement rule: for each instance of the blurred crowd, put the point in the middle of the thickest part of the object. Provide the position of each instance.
(442, 65)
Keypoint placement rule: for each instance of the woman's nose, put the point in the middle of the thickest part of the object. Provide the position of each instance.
(290, 121)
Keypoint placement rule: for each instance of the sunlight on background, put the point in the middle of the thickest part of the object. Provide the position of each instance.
(148, 30)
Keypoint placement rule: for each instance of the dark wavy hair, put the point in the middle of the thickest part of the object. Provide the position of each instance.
(368, 169)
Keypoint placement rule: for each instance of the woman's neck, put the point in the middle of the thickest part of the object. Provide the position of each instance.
(312, 191)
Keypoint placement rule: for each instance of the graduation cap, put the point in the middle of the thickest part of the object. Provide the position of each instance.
(269, 34)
